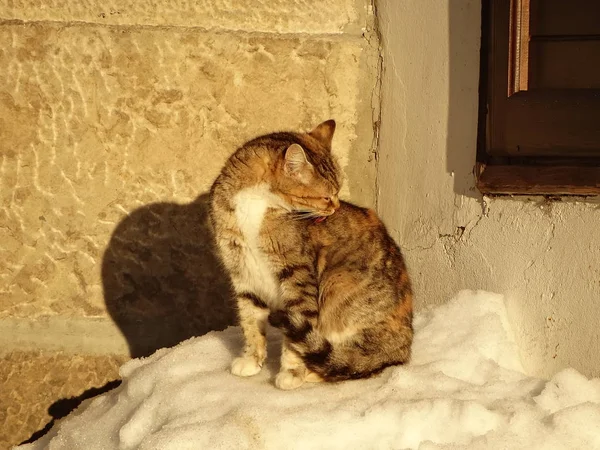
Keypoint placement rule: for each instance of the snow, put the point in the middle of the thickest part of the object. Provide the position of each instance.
(464, 389)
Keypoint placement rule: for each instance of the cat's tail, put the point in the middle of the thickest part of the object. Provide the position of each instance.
(362, 357)
(365, 354)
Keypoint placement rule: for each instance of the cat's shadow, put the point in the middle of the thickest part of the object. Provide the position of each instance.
(162, 279)
(164, 283)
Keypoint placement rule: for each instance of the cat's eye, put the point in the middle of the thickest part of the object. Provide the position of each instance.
(326, 199)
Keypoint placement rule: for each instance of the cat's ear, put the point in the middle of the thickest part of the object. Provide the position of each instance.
(324, 133)
(295, 159)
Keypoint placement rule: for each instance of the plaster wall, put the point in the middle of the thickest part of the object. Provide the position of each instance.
(115, 118)
(543, 256)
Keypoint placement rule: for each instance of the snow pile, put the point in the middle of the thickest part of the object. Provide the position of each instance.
(463, 389)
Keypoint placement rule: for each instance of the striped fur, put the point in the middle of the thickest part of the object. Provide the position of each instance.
(337, 288)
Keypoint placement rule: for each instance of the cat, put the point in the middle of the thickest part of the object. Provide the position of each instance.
(324, 271)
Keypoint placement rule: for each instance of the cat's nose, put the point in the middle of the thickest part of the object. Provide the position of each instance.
(335, 202)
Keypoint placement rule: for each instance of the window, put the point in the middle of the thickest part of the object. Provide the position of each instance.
(539, 130)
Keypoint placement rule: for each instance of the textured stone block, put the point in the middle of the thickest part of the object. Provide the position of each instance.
(279, 16)
(109, 140)
(37, 387)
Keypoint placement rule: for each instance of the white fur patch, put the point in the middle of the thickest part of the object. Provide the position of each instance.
(251, 204)
(245, 366)
(287, 380)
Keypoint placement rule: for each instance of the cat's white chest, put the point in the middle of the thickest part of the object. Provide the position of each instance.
(251, 204)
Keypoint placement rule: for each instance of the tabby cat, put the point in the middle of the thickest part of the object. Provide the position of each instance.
(324, 271)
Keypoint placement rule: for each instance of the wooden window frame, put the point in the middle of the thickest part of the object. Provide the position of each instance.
(498, 174)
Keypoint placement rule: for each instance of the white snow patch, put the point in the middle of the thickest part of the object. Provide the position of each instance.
(465, 388)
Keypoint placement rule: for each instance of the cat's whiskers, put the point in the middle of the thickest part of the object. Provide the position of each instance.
(302, 215)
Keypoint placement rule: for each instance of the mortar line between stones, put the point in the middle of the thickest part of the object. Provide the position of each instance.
(358, 36)
(89, 335)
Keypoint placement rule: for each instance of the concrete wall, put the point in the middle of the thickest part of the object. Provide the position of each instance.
(544, 256)
(115, 117)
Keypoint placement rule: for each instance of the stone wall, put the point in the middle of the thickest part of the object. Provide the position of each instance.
(115, 117)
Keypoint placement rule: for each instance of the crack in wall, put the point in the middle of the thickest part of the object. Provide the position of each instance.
(373, 32)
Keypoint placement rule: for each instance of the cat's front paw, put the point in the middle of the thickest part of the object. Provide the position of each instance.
(289, 379)
(245, 366)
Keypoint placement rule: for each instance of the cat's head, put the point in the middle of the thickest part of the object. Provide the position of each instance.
(308, 177)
